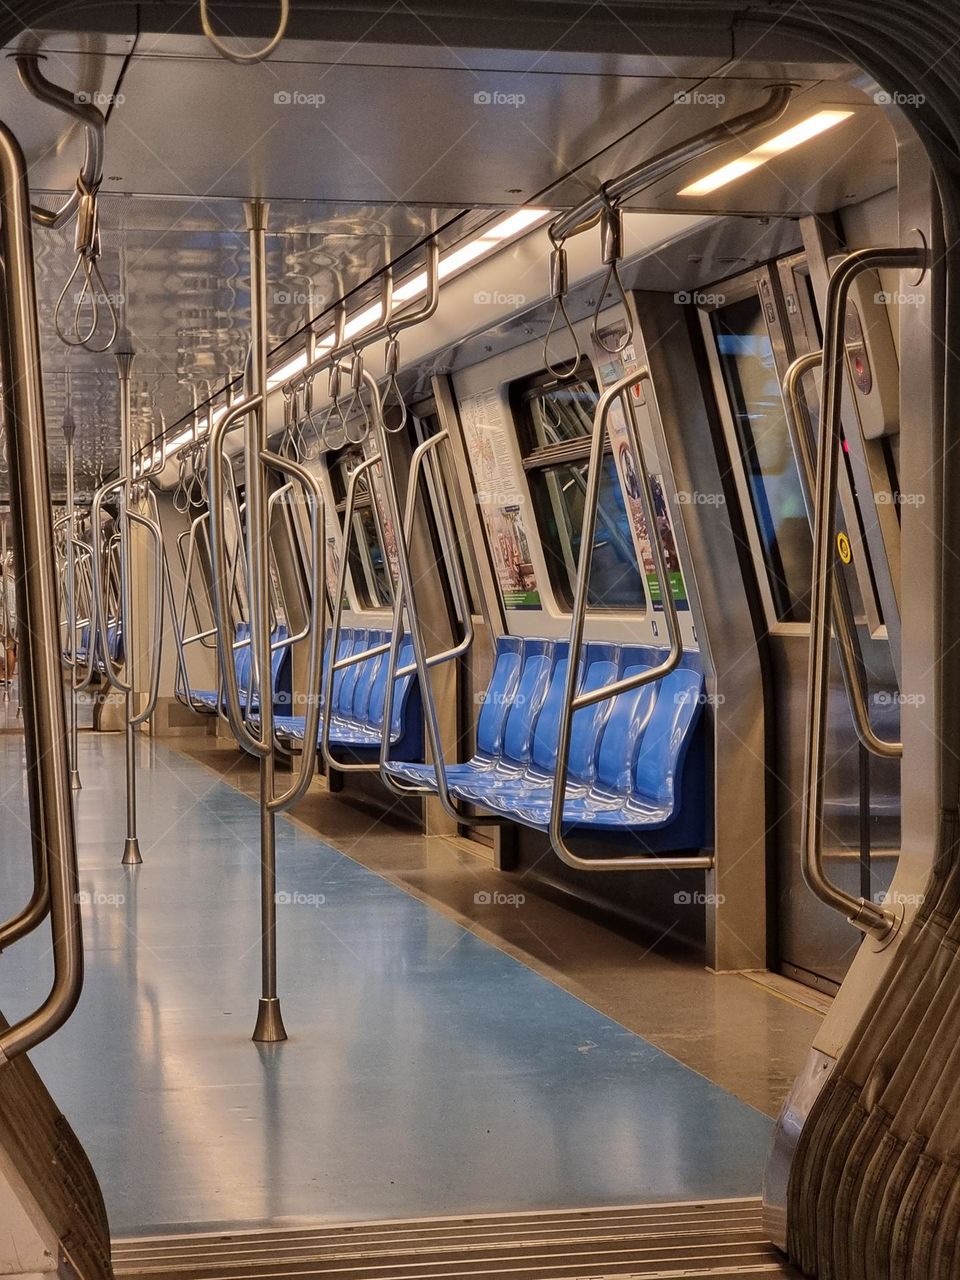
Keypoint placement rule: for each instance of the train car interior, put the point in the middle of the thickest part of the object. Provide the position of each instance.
(480, 699)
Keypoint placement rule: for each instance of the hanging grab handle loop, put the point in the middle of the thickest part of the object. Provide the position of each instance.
(93, 291)
(611, 239)
(558, 291)
(245, 59)
(181, 498)
(391, 361)
(356, 400)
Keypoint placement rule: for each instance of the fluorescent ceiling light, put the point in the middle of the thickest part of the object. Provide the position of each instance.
(776, 146)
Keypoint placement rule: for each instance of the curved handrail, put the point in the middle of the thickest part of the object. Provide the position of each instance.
(153, 687)
(100, 612)
(218, 557)
(94, 128)
(405, 600)
(314, 628)
(843, 623)
(48, 775)
(870, 917)
(351, 659)
(572, 701)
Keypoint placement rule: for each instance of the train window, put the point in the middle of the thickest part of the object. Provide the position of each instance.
(750, 375)
(368, 568)
(555, 421)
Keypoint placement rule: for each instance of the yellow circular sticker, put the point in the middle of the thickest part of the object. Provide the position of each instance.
(843, 548)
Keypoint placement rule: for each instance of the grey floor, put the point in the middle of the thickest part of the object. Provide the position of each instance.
(427, 1071)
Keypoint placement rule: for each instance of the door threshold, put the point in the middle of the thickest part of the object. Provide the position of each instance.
(666, 1241)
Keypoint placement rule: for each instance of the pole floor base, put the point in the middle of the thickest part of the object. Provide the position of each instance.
(131, 852)
(269, 1028)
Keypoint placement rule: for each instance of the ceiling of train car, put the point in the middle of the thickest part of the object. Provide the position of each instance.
(180, 269)
(362, 152)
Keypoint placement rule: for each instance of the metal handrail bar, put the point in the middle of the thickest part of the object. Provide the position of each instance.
(574, 701)
(870, 917)
(48, 776)
(844, 626)
(94, 130)
(588, 212)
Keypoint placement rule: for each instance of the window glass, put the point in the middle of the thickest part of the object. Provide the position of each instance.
(753, 387)
(368, 569)
(556, 421)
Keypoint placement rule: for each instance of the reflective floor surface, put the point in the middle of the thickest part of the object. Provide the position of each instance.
(427, 1071)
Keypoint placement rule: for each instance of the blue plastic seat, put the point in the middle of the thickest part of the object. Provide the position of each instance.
(359, 699)
(599, 667)
(630, 759)
(517, 688)
(242, 665)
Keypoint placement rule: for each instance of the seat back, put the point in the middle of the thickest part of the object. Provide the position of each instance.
(620, 740)
(601, 666)
(498, 696)
(369, 671)
(538, 659)
(402, 689)
(345, 644)
(347, 679)
(378, 692)
(667, 736)
(543, 752)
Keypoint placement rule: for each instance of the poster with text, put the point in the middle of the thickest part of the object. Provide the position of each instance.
(611, 368)
(501, 505)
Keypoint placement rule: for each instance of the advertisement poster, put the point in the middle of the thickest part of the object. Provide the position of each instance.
(611, 368)
(500, 505)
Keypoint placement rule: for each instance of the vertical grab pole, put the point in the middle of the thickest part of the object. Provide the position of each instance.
(269, 1027)
(131, 846)
(69, 434)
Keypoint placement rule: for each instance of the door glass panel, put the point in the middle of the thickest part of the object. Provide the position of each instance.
(750, 374)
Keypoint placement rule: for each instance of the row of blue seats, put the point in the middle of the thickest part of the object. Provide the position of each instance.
(637, 761)
(114, 646)
(242, 662)
(359, 699)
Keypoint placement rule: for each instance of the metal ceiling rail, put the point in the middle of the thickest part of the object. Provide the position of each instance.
(603, 208)
(391, 323)
(588, 212)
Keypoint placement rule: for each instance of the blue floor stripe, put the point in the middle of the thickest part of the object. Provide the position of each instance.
(427, 1072)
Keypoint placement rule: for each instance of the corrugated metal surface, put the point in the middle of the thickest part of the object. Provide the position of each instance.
(709, 1238)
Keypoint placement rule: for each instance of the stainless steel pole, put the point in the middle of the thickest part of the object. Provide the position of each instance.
(69, 435)
(269, 1027)
(131, 845)
(4, 609)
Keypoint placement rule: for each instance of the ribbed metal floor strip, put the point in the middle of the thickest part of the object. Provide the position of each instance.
(708, 1238)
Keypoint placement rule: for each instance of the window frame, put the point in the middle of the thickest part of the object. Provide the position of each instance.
(365, 587)
(539, 459)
